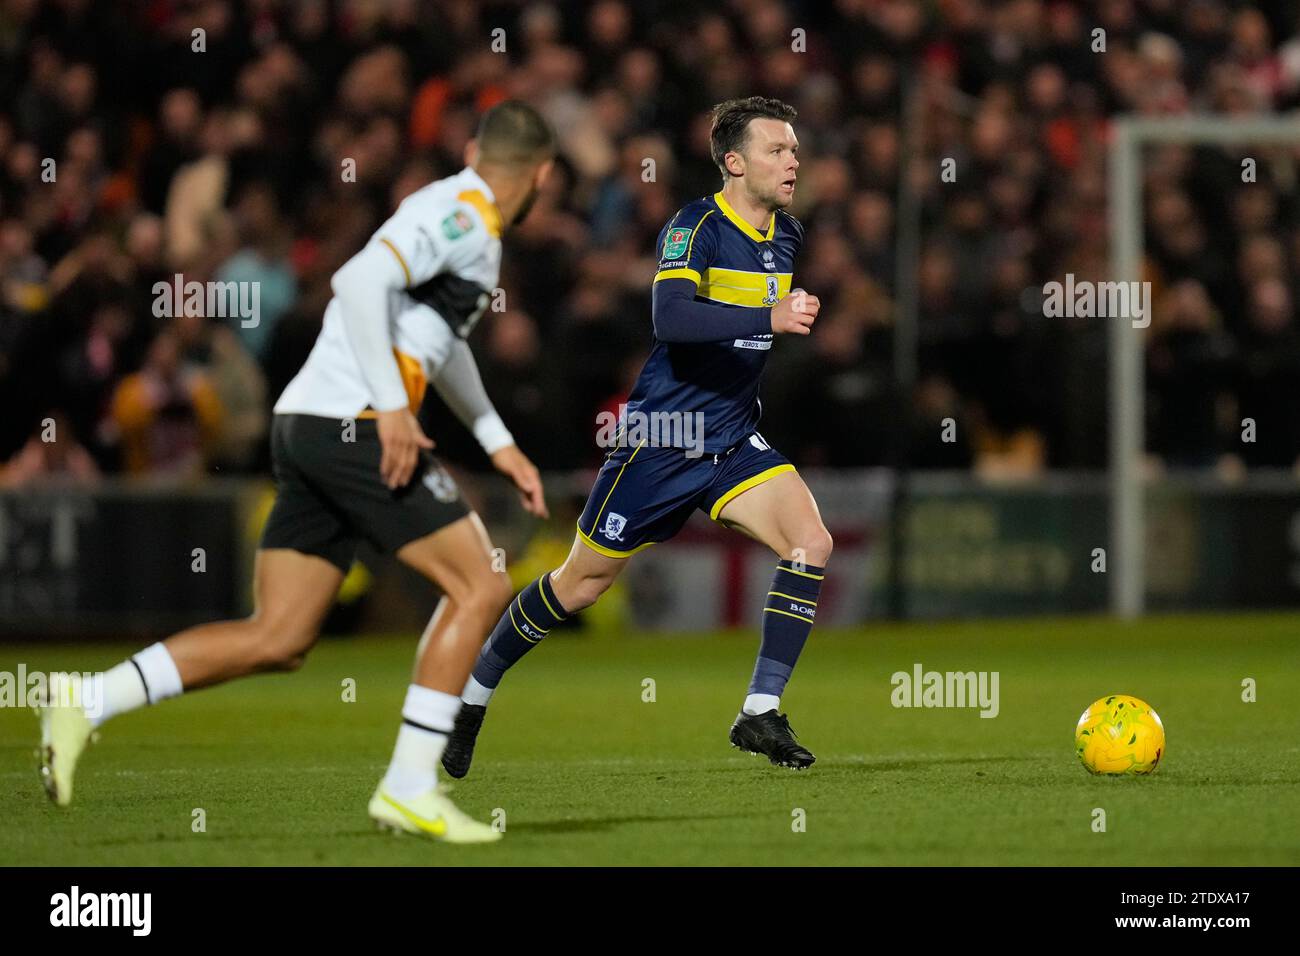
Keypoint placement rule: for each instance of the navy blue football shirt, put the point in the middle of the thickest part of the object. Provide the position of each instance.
(734, 266)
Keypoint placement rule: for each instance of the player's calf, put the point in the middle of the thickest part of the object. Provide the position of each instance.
(526, 622)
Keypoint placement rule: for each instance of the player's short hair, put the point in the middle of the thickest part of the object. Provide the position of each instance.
(731, 124)
(512, 133)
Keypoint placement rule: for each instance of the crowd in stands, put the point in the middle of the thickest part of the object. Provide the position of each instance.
(263, 141)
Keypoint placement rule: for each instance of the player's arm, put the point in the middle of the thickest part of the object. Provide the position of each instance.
(687, 249)
(363, 288)
(679, 317)
(461, 387)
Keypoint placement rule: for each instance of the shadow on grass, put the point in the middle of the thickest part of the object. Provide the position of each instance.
(861, 765)
(606, 824)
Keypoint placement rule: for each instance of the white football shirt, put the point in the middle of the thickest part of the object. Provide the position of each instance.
(447, 238)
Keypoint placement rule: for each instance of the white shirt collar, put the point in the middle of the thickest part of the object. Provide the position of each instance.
(474, 180)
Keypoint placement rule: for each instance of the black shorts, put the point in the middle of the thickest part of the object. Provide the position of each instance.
(329, 495)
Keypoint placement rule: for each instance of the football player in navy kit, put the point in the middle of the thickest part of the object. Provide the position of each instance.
(721, 294)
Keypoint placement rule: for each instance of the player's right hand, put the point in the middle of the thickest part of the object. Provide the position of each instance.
(401, 439)
(795, 313)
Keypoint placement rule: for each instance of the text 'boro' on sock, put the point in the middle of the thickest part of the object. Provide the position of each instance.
(788, 614)
(528, 619)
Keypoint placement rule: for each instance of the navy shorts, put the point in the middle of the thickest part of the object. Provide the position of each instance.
(644, 494)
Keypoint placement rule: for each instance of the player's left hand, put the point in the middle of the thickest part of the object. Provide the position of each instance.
(512, 463)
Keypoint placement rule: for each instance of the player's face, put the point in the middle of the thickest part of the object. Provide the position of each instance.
(771, 158)
(534, 190)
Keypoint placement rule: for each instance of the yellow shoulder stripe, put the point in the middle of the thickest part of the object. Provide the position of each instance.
(487, 209)
(691, 245)
(679, 274)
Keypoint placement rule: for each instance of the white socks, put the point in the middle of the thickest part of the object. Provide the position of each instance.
(146, 678)
(761, 703)
(475, 693)
(427, 718)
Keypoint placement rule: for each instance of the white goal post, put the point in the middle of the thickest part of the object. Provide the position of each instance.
(1127, 564)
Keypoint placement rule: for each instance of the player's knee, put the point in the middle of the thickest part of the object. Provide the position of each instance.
(282, 656)
(280, 646)
(483, 595)
(494, 592)
(289, 661)
(814, 547)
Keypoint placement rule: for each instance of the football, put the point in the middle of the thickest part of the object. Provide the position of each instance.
(1120, 734)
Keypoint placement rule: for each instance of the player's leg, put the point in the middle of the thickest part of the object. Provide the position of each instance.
(458, 558)
(641, 495)
(293, 592)
(427, 525)
(636, 500)
(550, 600)
(781, 513)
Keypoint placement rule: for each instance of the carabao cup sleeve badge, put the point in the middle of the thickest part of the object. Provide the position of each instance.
(676, 243)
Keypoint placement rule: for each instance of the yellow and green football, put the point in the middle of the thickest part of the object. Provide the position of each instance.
(1120, 734)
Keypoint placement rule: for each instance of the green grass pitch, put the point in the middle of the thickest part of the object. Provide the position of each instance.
(588, 773)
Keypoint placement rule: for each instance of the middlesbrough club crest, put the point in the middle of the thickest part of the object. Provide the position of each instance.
(614, 525)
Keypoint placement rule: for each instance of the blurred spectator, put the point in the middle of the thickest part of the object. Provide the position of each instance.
(262, 261)
(126, 158)
(53, 454)
(168, 415)
(1269, 371)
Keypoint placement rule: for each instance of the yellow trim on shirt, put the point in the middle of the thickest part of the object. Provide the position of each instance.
(486, 208)
(405, 269)
(740, 224)
(413, 380)
(691, 245)
(679, 274)
(737, 287)
(412, 371)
